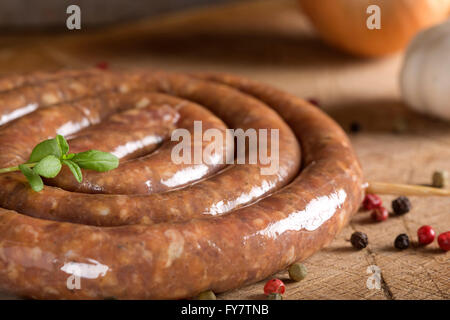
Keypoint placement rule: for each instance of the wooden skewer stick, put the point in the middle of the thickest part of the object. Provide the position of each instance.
(405, 189)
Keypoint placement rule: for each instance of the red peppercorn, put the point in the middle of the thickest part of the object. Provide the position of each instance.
(274, 286)
(444, 241)
(372, 201)
(102, 65)
(379, 214)
(314, 102)
(426, 234)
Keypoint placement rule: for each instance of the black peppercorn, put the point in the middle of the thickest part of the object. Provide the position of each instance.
(402, 241)
(359, 240)
(401, 205)
(355, 127)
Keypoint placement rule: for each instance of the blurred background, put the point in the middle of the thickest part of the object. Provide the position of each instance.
(50, 13)
(320, 50)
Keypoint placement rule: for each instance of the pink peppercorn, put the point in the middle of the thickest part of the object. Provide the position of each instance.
(274, 286)
(103, 65)
(372, 201)
(379, 214)
(314, 102)
(444, 241)
(426, 235)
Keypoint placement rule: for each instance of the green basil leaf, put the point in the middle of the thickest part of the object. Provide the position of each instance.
(45, 148)
(75, 169)
(48, 167)
(96, 160)
(68, 156)
(32, 177)
(62, 144)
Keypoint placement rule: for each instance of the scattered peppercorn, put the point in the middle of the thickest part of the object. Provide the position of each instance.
(372, 201)
(355, 127)
(402, 241)
(274, 286)
(444, 241)
(274, 296)
(297, 272)
(379, 214)
(401, 205)
(359, 240)
(314, 102)
(426, 235)
(440, 179)
(206, 295)
(400, 125)
(103, 65)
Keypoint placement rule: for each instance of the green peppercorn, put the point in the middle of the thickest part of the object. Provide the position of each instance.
(206, 295)
(440, 179)
(274, 296)
(400, 125)
(297, 272)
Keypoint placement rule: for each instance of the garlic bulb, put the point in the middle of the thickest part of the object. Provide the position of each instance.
(425, 76)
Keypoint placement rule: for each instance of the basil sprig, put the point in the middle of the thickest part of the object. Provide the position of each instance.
(96, 160)
(48, 157)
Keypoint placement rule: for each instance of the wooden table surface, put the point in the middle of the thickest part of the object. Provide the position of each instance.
(271, 41)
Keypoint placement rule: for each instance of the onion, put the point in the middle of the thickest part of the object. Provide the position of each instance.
(343, 23)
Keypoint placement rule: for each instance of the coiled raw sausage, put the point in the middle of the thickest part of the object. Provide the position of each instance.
(233, 227)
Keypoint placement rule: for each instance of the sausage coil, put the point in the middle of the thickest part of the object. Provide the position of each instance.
(152, 228)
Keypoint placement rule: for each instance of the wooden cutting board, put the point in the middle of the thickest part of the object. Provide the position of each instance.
(271, 41)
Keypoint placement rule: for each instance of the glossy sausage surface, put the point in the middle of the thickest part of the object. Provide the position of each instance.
(233, 227)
